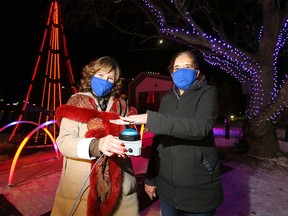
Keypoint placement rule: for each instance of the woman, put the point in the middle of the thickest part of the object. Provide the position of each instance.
(97, 178)
(183, 169)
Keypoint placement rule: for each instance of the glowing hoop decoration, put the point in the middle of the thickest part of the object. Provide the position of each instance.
(25, 140)
(142, 131)
(34, 123)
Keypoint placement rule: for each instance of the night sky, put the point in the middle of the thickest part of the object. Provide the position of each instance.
(22, 30)
(21, 33)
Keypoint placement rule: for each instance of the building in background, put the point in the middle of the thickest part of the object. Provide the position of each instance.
(147, 89)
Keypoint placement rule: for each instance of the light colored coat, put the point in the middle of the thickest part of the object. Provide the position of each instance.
(74, 186)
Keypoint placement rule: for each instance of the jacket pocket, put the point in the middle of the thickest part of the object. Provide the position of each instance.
(210, 160)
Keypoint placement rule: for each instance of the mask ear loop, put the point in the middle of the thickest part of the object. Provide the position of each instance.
(197, 73)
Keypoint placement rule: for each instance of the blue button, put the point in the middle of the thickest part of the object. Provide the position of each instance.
(129, 132)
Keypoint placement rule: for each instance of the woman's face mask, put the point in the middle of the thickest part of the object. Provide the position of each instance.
(184, 77)
(101, 87)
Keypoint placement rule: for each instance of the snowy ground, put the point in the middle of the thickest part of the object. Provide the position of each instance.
(255, 186)
(252, 186)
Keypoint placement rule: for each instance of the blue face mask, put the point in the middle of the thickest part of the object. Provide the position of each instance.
(184, 77)
(101, 87)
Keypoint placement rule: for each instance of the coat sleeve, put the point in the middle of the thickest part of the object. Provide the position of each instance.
(152, 168)
(194, 127)
(71, 141)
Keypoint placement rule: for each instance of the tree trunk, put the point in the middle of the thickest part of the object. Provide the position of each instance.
(262, 139)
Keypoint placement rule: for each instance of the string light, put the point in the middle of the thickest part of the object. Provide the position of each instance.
(232, 60)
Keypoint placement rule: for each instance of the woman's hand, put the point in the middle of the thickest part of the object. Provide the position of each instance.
(132, 119)
(111, 145)
(151, 191)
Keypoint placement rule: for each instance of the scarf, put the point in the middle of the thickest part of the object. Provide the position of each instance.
(106, 178)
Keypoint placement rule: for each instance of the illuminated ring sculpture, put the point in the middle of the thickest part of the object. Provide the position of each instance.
(25, 140)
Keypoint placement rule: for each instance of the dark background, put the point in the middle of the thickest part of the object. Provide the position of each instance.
(21, 33)
(22, 30)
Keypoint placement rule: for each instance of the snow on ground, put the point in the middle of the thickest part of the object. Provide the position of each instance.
(252, 186)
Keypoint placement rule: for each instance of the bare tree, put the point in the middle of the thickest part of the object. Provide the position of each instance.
(243, 38)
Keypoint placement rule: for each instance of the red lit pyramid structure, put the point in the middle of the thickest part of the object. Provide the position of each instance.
(52, 81)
